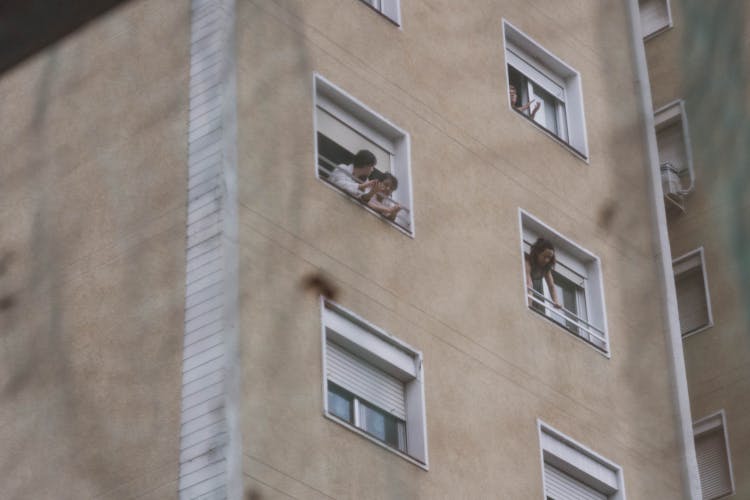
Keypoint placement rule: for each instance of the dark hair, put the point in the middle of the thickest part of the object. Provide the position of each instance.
(364, 158)
(390, 177)
(539, 246)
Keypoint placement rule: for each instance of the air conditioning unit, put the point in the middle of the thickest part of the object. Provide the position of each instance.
(671, 182)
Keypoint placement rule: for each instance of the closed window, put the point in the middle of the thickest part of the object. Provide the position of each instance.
(373, 383)
(389, 8)
(545, 90)
(714, 459)
(344, 127)
(691, 286)
(573, 472)
(575, 299)
(656, 16)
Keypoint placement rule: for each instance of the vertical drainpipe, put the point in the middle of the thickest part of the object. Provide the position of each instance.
(690, 476)
(210, 440)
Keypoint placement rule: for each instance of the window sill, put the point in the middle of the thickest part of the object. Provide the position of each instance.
(697, 330)
(378, 442)
(604, 352)
(400, 228)
(382, 15)
(658, 32)
(574, 151)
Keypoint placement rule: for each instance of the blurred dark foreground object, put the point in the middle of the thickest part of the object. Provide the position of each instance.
(29, 26)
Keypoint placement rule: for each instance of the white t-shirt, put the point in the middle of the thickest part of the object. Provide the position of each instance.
(343, 178)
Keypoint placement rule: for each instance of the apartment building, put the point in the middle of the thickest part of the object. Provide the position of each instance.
(197, 307)
(700, 160)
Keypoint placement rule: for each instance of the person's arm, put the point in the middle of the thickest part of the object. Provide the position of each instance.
(368, 194)
(387, 211)
(532, 113)
(341, 179)
(526, 106)
(551, 285)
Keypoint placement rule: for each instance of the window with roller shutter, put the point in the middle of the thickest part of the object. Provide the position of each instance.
(344, 125)
(656, 16)
(373, 383)
(712, 452)
(691, 287)
(549, 92)
(578, 284)
(571, 471)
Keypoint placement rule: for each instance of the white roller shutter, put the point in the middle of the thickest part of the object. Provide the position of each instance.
(350, 139)
(713, 464)
(365, 381)
(560, 486)
(543, 77)
(691, 300)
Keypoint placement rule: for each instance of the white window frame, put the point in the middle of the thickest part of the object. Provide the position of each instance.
(559, 79)
(711, 423)
(375, 129)
(579, 262)
(391, 9)
(657, 29)
(666, 116)
(688, 262)
(383, 351)
(579, 462)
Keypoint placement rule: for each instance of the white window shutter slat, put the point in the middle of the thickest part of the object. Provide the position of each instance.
(365, 381)
(713, 464)
(691, 300)
(560, 486)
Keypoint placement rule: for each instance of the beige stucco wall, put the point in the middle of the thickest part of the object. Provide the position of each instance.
(92, 250)
(716, 359)
(455, 291)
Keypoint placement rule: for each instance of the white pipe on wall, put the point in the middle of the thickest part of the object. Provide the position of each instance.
(690, 475)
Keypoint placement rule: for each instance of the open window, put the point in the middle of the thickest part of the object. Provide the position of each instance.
(572, 471)
(693, 299)
(344, 126)
(546, 90)
(373, 384)
(656, 17)
(577, 283)
(675, 156)
(389, 8)
(714, 458)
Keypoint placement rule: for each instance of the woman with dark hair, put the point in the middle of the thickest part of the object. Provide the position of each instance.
(539, 265)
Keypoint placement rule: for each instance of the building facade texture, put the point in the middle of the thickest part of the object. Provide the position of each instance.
(192, 307)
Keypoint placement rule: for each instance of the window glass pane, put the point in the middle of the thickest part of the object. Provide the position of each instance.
(340, 402)
(570, 296)
(382, 425)
(551, 110)
(331, 154)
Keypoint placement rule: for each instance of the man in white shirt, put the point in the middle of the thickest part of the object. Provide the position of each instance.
(353, 178)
